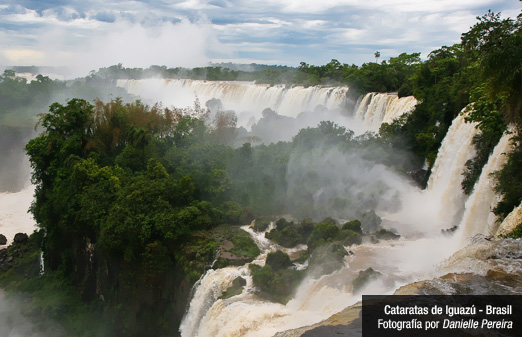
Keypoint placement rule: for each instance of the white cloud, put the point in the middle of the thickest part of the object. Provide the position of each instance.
(314, 6)
(135, 45)
(136, 33)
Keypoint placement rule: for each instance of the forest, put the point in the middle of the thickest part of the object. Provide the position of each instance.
(127, 193)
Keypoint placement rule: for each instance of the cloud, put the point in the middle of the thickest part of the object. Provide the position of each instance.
(135, 45)
(287, 31)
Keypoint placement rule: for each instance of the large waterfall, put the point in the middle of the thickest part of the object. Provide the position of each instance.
(415, 257)
(14, 217)
(248, 100)
(377, 108)
(478, 217)
(238, 95)
(446, 177)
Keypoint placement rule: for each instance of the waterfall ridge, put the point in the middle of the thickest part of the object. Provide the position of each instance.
(446, 175)
(377, 108)
(239, 95)
(478, 217)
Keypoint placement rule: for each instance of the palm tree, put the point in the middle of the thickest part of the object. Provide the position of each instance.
(377, 55)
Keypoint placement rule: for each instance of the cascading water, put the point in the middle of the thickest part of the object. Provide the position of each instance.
(478, 217)
(414, 257)
(446, 176)
(248, 100)
(239, 96)
(377, 108)
(14, 217)
(316, 299)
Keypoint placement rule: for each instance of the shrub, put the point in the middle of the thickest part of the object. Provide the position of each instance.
(350, 237)
(278, 260)
(323, 231)
(261, 224)
(327, 259)
(288, 237)
(354, 225)
(244, 245)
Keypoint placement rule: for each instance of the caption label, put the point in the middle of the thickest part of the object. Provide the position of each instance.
(426, 315)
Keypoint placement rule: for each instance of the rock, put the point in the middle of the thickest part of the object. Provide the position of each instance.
(345, 323)
(365, 276)
(3, 240)
(510, 223)
(327, 259)
(20, 238)
(370, 221)
(420, 176)
(235, 288)
(384, 234)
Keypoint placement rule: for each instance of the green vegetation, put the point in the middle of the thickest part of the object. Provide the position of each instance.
(276, 280)
(516, 233)
(354, 225)
(136, 200)
(49, 304)
(235, 288)
(327, 258)
(384, 234)
(285, 233)
(244, 246)
(261, 224)
(23, 100)
(509, 180)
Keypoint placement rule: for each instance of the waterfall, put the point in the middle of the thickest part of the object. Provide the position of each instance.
(316, 299)
(441, 204)
(211, 287)
(416, 256)
(377, 108)
(478, 217)
(446, 175)
(14, 217)
(239, 96)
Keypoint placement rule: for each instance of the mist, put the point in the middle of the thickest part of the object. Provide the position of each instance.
(328, 182)
(14, 321)
(180, 42)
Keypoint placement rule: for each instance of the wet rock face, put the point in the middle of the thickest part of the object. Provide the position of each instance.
(510, 223)
(20, 238)
(9, 254)
(420, 177)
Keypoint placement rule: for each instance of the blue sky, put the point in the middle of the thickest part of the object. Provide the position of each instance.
(88, 34)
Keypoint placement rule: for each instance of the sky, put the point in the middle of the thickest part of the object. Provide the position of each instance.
(85, 35)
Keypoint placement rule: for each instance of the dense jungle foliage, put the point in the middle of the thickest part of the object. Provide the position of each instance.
(125, 189)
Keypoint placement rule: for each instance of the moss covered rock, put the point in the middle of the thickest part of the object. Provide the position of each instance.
(365, 277)
(327, 259)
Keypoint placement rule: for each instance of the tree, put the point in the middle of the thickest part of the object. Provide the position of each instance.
(377, 55)
(498, 44)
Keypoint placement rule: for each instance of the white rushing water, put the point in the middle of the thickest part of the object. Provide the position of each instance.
(377, 108)
(238, 95)
(248, 100)
(416, 256)
(14, 216)
(478, 217)
(316, 299)
(446, 176)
